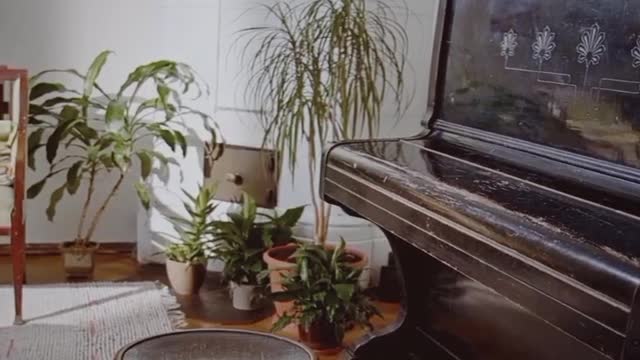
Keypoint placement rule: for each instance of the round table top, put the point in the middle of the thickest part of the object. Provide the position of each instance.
(215, 344)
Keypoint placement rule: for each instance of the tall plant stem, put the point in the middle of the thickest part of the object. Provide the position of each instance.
(87, 202)
(100, 212)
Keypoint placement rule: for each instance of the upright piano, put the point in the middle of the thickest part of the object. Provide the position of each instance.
(515, 217)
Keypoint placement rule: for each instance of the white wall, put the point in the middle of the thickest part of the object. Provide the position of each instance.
(67, 33)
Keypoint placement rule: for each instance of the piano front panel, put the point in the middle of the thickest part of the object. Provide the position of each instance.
(560, 73)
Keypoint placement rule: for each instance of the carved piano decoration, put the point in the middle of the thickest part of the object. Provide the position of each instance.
(515, 218)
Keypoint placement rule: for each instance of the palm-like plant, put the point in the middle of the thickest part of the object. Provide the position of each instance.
(195, 230)
(323, 72)
(105, 134)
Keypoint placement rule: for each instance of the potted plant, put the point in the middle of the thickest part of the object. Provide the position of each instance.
(90, 134)
(322, 72)
(327, 298)
(278, 235)
(187, 259)
(239, 246)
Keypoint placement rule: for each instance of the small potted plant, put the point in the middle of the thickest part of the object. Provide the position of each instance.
(278, 235)
(239, 246)
(327, 298)
(187, 259)
(91, 135)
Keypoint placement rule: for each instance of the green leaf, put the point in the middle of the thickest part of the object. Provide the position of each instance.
(33, 145)
(345, 291)
(86, 132)
(35, 189)
(74, 177)
(143, 194)
(94, 72)
(56, 196)
(69, 112)
(169, 138)
(181, 141)
(146, 164)
(292, 216)
(45, 88)
(53, 143)
(115, 111)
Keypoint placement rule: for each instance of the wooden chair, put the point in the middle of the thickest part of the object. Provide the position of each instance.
(14, 108)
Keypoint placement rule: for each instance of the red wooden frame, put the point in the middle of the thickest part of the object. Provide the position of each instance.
(17, 228)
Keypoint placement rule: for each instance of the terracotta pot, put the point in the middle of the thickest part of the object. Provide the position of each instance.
(320, 336)
(245, 297)
(79, 261)
(186, 278)
(280, 267)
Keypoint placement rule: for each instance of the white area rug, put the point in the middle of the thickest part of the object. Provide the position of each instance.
(90, 321)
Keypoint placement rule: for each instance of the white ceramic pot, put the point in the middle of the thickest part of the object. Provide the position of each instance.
(245, 297)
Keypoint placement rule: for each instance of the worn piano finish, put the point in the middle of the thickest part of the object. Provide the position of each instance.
(515, 218)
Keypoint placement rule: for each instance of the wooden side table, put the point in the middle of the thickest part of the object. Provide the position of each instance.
(14, 104)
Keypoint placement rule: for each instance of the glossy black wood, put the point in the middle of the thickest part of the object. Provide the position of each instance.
(559, 73)
(516, 229)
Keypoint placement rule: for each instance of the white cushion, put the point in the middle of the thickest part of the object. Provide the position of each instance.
(5, 130)
(6, 205)
(7, 151)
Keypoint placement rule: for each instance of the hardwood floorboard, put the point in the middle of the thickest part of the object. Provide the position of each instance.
(203, 311)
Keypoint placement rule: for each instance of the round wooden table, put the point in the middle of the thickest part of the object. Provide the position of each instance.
(219, 344)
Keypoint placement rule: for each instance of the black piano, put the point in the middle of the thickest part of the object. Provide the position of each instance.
(515, 217)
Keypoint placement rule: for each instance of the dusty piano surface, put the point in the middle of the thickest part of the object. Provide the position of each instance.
(515, 219)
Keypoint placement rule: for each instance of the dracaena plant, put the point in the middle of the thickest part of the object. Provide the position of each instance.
(323, 72)
(90, 132)
(196, 229)
(325, 290)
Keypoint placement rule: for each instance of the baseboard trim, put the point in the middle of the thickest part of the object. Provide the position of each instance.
(54, 248)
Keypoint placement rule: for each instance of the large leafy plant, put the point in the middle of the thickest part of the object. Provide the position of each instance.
(325, 290)
(89, 132)
(323, 72)
(195, 230)
(238, 245)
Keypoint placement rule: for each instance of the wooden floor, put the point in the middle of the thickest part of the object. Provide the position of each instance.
(203, 311)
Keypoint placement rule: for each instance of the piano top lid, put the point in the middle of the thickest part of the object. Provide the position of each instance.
(560, 75)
